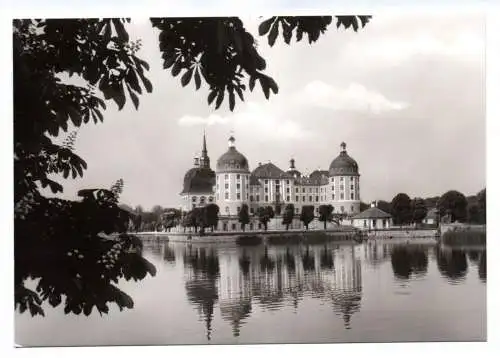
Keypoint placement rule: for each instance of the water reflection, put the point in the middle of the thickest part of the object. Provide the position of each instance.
(452, 263)
(270, 278)
(376, 253)
(478, 259)
(408, 261)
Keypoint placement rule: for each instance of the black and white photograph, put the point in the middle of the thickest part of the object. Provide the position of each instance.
(234, 180)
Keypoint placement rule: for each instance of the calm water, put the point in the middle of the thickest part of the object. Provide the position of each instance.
(206, 294)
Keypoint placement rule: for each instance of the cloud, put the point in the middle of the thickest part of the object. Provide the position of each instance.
(263, 120)
(355, 97)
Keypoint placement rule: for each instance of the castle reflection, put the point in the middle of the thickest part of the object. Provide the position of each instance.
(239, 280)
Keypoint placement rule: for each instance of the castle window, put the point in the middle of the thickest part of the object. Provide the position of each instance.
(352, 187)
(303, 190)
(333, 196)
(333, 179)
(317, 198)
(251, 212)
(238, 185)
(310, 198)
(238, 196)
(341, 196)
(296, 190)
(296, 198)
(233, 226)
(277, 182)
(238, 209)
(342, 209)
(266, 189)
(288, 182)
(287, 190)
(265, 181)
(226, 176)
(288, 198)
(227, 209)
(267, 198)
(296, 210)
(194, 199)
(352, 196)
(316, 190)
(303, 198)
(251, 197)
(333, 188)
(202, 200)
(341, 188)
(352, 208)
(226, 186)
(310, 190)
(238, 176)
(258, 198)
(226, 195)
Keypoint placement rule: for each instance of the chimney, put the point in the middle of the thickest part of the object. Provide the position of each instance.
(196, 161)
(374, 204)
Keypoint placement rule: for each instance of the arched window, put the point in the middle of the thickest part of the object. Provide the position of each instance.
(202, 200)
(194, 199)
(227, 209)
(210, 199)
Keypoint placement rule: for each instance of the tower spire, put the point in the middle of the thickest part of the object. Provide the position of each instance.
(204, 159)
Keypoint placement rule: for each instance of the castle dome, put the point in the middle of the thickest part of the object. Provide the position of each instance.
(232, 161)
(198, 180)
(343, 164)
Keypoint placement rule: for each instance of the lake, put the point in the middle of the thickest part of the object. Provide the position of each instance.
(326, 293)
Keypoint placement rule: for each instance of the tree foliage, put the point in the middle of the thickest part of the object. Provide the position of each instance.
(99, 55)
(454, 204)
(325, 214)
(288, 215)
(265, 214)
(419, 210)
(401, 209)
(212, 213)
(243, 216)
(307, 215)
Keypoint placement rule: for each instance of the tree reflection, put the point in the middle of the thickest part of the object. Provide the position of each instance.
(409, 260)
(308, 261)
(168, 253)
(244, 262)
(266, 262)
(482, 266)
(451, 263)
(289, 261)
(326, 259)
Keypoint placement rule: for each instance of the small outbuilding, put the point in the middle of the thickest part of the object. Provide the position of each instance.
(372, 218)
(432, 217)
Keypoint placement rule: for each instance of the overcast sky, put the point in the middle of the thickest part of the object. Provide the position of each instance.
(406, 94)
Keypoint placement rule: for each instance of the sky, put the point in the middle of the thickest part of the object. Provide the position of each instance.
(406, 94)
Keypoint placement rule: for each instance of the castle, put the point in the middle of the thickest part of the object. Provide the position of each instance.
(232, 184)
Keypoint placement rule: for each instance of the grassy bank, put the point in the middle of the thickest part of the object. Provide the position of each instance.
(464, 237)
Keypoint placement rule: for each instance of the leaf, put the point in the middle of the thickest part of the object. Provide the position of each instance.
(119, 96)
(265, 86)
(169, 60)
(252, 82)
(211, 96)
(273, 34)
(197, 79)
(186, 77)
(133, 81)
(265, 26)
(176, 69)
(134, 97)
(231, 100)
(120, 30)
(220, 98)
(240, 92)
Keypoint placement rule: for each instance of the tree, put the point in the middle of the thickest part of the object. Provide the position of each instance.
(100, 56)
(325, 214)
(473, 214)
(288, 215)
(384, 206)
(419, 210)
(243, 216)
(401, 209)
(307, 215)
(363, 206)
(453, 203)
(189, 220)
(212, 215)
(481, 201)
(264, 215)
